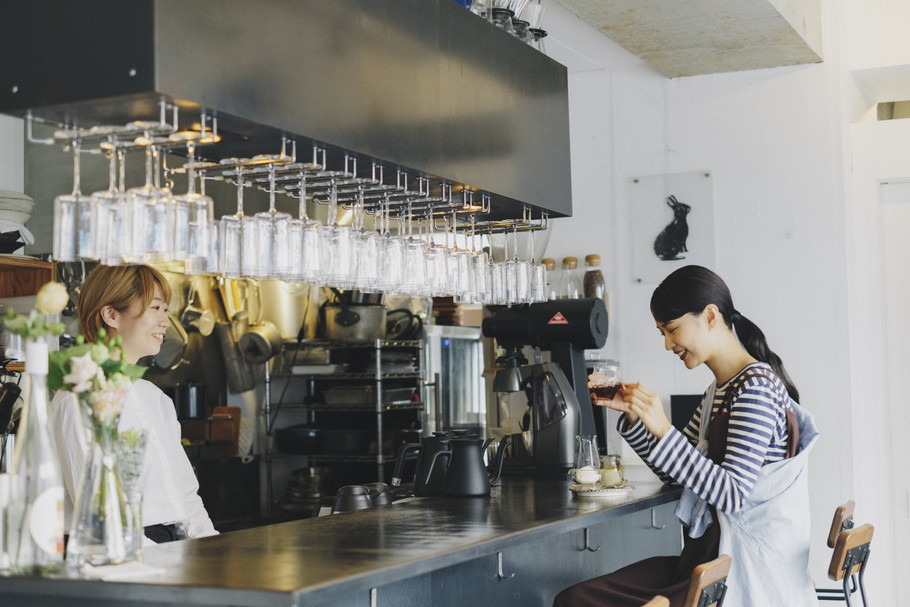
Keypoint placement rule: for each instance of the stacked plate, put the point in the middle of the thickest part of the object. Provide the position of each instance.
(15, 210)
(15, 207)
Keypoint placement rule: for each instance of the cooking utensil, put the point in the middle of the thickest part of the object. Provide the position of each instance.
(239, 375)
(173, 348)
(189, 400)
(465, 473)
(196, 319)
(300, 439)
(261, 340)
(352, 322)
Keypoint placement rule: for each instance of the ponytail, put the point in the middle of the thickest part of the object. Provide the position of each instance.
(753, 340)
(690, 289)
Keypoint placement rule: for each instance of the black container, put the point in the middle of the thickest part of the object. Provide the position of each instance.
(301, 439)
(352, 498)
(189, 400)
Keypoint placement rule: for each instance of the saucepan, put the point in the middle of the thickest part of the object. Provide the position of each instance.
(262, 339)
(195, 318)
(353, 322)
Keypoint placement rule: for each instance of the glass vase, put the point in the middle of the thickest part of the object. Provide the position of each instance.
(35, 512)
(101, 530)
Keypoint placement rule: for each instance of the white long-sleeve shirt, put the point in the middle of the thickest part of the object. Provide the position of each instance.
(168, 484)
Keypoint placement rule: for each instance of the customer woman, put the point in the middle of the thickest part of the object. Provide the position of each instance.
(741, 459)
(132, 302)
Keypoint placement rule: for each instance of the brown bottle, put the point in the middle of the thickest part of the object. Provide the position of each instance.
(594, 278)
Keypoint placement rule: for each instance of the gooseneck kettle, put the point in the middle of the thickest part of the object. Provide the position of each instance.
(465, 473)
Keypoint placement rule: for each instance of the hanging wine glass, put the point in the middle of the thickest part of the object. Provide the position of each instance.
(146, 213)
(538, 287)
(234, 233)
(105, 204)
(369, 243)
(304, 241)
(73, 219)
(480, 268)
(192, 220)
(414, 276)
(336, 246)
(392, 254)
(437, 265)
(273, 238)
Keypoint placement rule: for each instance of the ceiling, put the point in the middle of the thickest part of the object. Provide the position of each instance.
(690, 37)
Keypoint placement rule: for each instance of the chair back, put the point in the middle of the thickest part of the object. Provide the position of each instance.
(658, 601)
(843, 519)
(851, 550)
(707, 585)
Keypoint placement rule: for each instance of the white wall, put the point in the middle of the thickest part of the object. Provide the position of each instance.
(798, 232)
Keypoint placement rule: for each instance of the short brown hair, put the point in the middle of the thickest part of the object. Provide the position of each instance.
(118, 287)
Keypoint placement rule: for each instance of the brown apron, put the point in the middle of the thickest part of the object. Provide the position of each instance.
(639, 582)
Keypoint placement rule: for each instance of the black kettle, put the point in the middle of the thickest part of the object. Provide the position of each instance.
(465, 473)
(425, 484)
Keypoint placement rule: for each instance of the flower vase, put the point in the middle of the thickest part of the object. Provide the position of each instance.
(101, 530)
(34, 517)
(130, 458)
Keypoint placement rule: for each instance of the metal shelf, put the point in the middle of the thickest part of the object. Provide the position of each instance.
(349, 376)
(399, 405)
(336, 344)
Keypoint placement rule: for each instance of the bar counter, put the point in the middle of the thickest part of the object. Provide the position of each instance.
(521, 545)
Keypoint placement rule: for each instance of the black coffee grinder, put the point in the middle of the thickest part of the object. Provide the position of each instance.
(558, 396)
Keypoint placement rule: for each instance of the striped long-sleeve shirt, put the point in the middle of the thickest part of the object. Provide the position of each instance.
(757, 435)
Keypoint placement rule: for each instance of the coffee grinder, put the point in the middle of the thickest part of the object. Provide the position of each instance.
(559, 402)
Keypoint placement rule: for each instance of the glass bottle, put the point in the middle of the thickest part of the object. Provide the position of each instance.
(594, 278)
(573, 283)
(553, 278)
(35, 533)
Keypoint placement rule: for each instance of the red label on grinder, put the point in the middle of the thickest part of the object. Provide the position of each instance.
(558, 319)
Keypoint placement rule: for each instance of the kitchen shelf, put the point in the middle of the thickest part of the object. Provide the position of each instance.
(21, 276)
(350, 376)
(398, 405)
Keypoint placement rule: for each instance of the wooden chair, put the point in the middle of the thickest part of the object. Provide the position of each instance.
(851, 554)
(708, 583)
(658, 601)
(842, 520)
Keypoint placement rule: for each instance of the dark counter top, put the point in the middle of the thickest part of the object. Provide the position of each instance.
(304, 562)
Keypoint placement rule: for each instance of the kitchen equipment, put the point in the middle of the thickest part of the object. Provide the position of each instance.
(346, 321)
(300, 439)
(224, 425)
(262, 339)
(466, 475)
(239, 375)
(403, 324)
(351, 498)
(426, 481)
(454, 364)
(260, 342)
(559, 403)
(364, 396)
(195, 319)
(380, 493)
(173, 348)
(189, 400)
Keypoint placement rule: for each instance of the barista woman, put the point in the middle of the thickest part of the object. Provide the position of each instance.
(132, 302)
(741, 459)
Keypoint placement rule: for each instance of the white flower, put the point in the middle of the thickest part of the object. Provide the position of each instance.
(52, 298)
(82, 371)
(107, 405)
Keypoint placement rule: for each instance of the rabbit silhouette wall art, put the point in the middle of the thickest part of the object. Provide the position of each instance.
(672, 239)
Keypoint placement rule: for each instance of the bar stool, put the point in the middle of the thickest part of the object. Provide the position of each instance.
(851, 554)
(842, 520)
(708, 583)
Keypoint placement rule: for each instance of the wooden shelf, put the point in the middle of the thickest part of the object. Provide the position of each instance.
(21, 276)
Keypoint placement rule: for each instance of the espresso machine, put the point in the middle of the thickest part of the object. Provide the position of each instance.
(559, 402)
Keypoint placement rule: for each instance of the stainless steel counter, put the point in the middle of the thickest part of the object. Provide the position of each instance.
(396, 549)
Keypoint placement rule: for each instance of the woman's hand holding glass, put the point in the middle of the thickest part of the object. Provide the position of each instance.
(639, 403)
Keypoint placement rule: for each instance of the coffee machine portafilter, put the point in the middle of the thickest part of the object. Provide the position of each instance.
(558, 395)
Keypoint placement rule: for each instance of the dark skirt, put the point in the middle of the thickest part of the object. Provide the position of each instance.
(638, 583)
